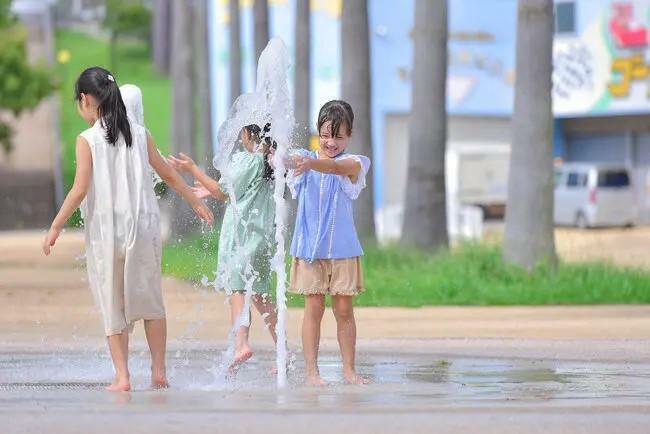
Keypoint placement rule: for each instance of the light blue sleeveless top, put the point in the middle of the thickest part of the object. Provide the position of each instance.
(324, 221)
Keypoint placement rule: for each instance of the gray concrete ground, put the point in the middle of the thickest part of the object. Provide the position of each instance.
(438, 369)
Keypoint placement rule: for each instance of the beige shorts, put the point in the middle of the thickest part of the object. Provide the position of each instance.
(326, 276)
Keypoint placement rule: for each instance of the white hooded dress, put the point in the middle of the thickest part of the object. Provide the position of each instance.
(122, 229)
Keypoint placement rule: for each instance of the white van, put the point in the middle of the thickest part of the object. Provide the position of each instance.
(591, 194)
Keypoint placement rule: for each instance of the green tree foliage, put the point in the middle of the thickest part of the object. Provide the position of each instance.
(127, 18)
(22, 86)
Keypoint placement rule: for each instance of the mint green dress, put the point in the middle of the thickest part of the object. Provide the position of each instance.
(247, 247)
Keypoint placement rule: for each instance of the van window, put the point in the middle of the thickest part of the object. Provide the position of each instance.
(576, 180)
(557, 178)
(613, 178)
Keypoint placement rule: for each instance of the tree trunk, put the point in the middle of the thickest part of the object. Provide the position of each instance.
(204, 86)
(528, 238)
(261, 26)
(355, 89)
(161, 35)
(302, 100)
(425, 215)
(235, 52)
(113, 51)
(182, 77)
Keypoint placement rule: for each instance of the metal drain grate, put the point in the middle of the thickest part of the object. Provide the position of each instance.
(8, 387)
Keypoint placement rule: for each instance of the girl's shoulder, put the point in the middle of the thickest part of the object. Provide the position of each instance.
(246, 157)
(243, 160)
(91, 133)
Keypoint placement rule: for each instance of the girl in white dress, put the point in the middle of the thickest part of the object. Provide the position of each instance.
(122, 222)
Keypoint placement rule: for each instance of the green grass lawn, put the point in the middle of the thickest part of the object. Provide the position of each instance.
(133, 66)
(470, 275)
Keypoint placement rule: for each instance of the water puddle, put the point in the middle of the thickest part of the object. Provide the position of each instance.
(409, 381)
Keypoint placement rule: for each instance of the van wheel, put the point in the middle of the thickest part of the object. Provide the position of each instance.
(581, 221)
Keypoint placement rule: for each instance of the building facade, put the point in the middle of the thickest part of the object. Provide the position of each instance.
(601, 91)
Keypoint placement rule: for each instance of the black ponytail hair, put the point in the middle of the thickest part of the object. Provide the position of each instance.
(111, 110)
(260, 135)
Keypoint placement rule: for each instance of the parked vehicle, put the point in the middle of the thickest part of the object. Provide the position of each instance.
(590, 195)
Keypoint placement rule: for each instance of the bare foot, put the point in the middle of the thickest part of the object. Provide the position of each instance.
(291, 358)
(315, 381)
(159, 381)
(241, 356)
(355, 379)
(119, 385)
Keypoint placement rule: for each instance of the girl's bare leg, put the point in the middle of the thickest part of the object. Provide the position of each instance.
(156, 332)
(346, 332)
(269, 313)
(314, 310)
(243, 350)
(119, 348)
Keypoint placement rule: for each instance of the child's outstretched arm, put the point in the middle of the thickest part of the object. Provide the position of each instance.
(174, 180)
(76, 194)
(186, 164)
(346, 167)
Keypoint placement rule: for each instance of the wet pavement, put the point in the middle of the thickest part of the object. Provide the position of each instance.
(409, 393)
(551, 369)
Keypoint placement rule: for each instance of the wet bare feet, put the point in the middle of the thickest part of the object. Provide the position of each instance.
(241, 356)
(119, 385)
(315, 381)
(159, 379)
(354, 379)
(291, 359)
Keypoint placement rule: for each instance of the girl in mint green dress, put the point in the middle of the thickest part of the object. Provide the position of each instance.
(246, 242)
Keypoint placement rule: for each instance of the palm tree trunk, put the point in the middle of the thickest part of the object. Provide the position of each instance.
(302, 100)
(235, 51)
(355, 88)
(425, 215)
(204, 85)
(160, 35)
(528, 237)
(182, 77)
(261, 26)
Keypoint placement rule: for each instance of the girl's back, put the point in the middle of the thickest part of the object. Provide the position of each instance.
(121, 191)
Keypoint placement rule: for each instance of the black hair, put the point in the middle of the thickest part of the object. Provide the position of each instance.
(261, 135)
(111, 110)
(339, 113)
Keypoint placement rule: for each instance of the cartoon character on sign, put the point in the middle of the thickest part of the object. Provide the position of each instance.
(627, 69)
(625, 30)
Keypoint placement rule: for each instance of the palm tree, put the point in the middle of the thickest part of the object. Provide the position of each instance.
(203, 83)
(528, 237)
(261, 26)
(182, 78)
(235, 51)
(302, 95)
(425, 215)
(160, 35)
(355, 89)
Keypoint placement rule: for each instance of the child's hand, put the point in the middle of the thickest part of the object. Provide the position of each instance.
(302, 165)
(200, 191)
(203, 212)
(182, 163)
(50, 239)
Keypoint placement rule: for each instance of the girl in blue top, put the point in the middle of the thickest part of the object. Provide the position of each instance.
(325, 249)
